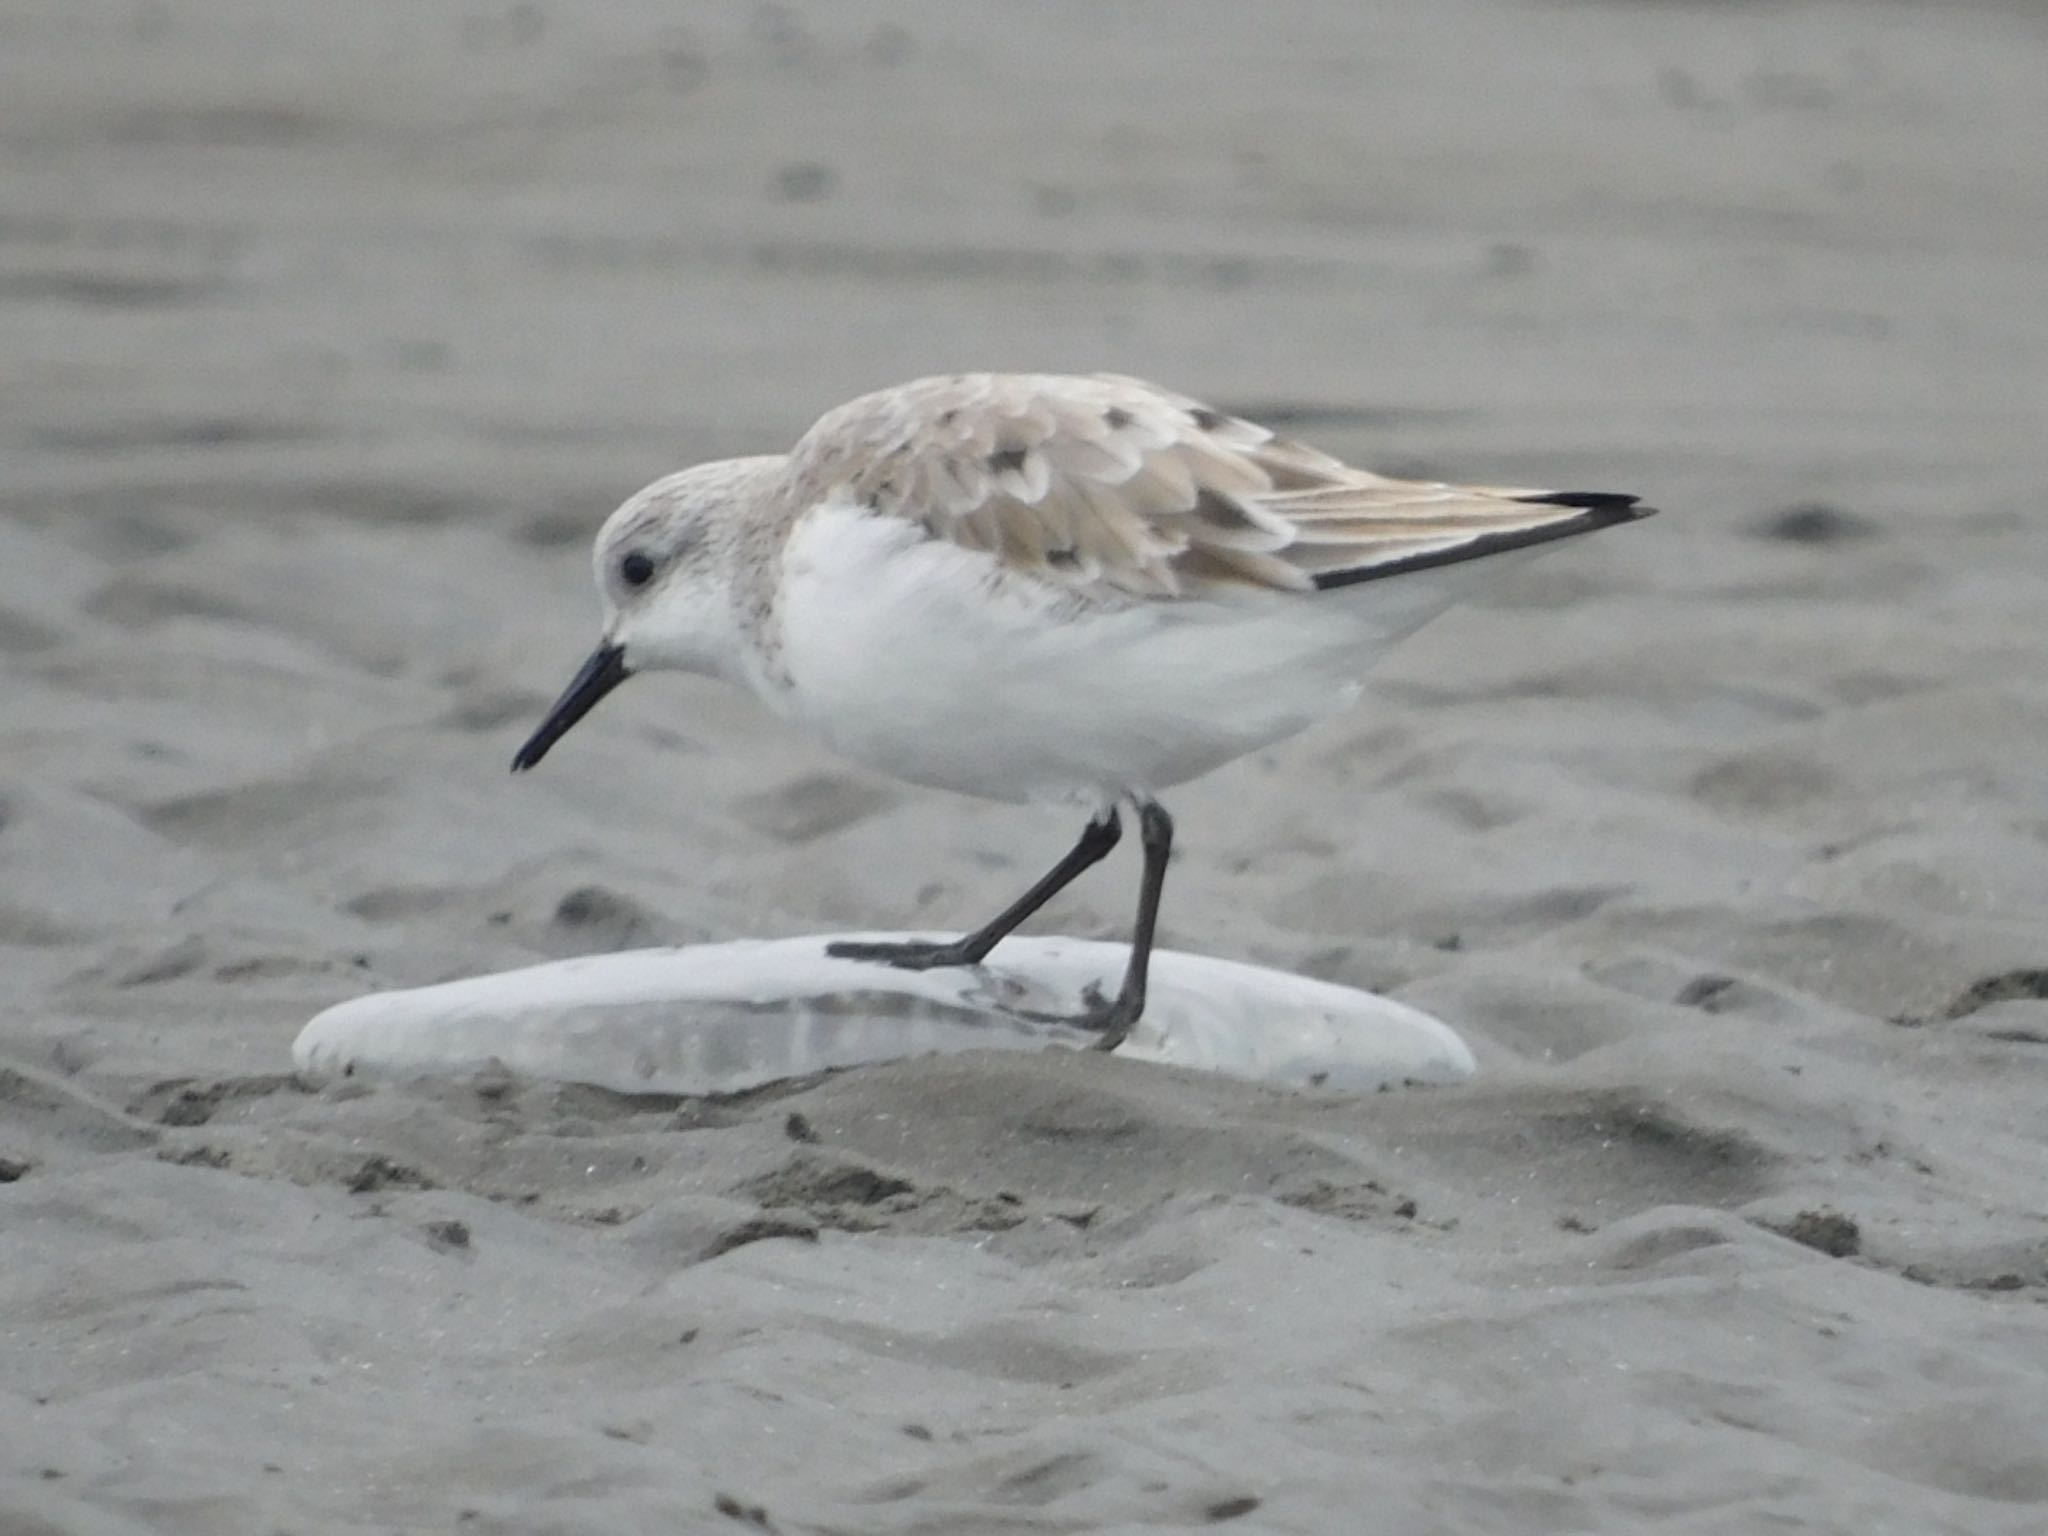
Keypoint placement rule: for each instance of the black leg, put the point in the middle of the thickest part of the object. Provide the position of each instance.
(1113, 1020)
(1097, 838)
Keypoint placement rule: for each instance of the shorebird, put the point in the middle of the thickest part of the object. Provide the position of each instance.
(1077, 590)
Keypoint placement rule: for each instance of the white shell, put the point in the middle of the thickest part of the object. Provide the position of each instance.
(723, 1017)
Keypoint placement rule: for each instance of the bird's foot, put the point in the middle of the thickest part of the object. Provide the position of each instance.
(906, 954)
(1109, 1019)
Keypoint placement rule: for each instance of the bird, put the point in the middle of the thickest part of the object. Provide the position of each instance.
(1077, 590)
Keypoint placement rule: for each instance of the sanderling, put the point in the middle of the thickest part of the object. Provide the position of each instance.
(1082, 590)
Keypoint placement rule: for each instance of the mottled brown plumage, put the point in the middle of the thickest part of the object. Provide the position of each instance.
(1114, 487)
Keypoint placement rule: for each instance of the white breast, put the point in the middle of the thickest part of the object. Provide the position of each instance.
(930, 662)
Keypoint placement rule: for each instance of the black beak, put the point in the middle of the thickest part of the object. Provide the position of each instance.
(605, 670)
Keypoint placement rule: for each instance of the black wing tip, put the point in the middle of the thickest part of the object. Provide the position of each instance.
(1611, 506)
(1597, 510)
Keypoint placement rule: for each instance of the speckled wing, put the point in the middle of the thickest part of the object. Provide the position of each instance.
(1114, 487)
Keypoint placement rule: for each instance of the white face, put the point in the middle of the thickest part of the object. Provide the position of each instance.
(653, 564)
(662, 564)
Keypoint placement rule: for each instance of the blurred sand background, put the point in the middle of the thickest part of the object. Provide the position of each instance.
(329, 333)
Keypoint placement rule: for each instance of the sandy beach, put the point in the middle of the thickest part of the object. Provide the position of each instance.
(332, 333)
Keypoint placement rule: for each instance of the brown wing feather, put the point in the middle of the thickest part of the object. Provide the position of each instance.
(1114, 486)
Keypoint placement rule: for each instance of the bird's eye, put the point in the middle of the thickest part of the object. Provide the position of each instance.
(636, 569)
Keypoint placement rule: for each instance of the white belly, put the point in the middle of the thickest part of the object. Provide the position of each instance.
(913, 656)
